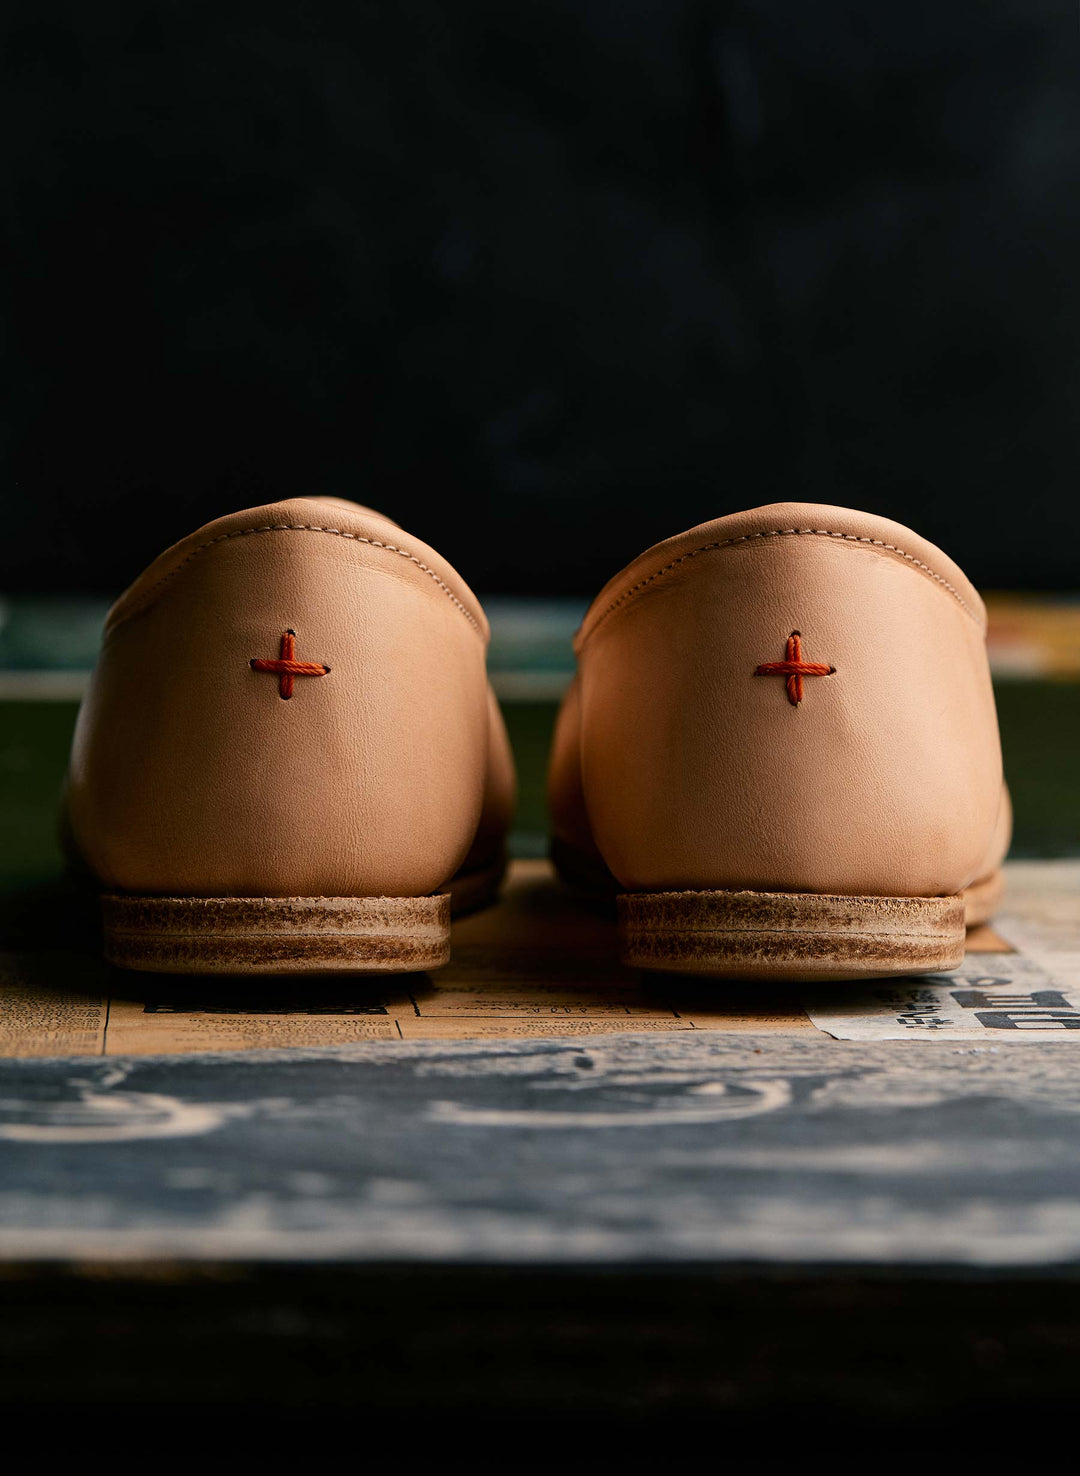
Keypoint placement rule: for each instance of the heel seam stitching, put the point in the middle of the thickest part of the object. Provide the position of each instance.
(150, 594)
(781, 533)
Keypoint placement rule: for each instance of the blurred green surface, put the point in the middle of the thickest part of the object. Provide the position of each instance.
(1040, 736)
(1040, 724)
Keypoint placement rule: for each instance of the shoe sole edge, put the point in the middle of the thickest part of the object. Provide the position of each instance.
(790, 935)
(276, 935)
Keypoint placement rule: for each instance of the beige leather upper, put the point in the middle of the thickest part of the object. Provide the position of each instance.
(676, 767)
(191, 776)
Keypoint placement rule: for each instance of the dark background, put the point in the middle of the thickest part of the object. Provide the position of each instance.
(545, 281)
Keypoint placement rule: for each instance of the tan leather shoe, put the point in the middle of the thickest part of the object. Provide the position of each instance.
(290, 757)
(781, 749)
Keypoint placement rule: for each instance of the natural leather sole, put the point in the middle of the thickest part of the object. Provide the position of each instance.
(277, 935)
(790, 935)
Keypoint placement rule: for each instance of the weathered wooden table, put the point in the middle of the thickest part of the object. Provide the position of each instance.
(536, 1183)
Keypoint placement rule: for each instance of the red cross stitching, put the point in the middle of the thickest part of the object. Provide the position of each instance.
(286, 667)
(794, 668)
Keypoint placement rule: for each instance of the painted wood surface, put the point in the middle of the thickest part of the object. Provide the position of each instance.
(666, 1149)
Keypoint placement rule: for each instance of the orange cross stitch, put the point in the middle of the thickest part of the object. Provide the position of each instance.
(794, 668)
(286, 667)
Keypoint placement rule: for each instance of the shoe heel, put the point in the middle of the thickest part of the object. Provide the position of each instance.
(277, 935)
(790, 935)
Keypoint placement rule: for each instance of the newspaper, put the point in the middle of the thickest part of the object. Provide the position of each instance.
(1031, 992)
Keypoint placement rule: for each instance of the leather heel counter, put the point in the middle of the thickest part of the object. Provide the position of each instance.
(790, 713)
(290, 713)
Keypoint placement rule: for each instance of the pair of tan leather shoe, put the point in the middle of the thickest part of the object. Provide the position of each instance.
(780, 751)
